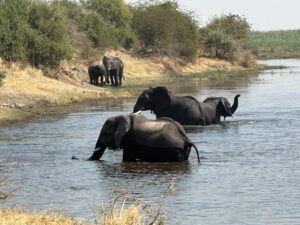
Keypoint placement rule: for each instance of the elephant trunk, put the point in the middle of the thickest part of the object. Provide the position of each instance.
(235, 104)
(97, 154)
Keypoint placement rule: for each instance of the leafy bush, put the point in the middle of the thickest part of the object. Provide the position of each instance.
(163, 28)
(44, 33)
(47, 43)
(224, 35)
(13, 29)
(33, 31)
(108, 23)
(98, 30)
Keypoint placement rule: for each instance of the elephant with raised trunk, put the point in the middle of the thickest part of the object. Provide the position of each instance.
(96, 71)
(144, 140)
(114, 67)
(186, 110)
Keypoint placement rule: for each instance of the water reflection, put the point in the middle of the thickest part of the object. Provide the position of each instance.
(146, 168)
(251, 174)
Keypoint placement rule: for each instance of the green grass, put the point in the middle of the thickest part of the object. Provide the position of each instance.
(276, 44)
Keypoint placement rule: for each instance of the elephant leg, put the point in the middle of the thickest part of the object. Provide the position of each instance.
(129, 155)
(107, 77)
(116, 80)
(117, 77)
(120, 76)
(112, 81)
(120, 80)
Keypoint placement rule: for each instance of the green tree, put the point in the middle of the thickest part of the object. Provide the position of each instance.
(225, 35)
(47, 41)
(13, 29)
(32, 31)
(114, 11)
(115, 17)
(101, 33)
(163, 28)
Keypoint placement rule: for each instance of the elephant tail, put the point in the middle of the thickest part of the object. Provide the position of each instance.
(196, 149)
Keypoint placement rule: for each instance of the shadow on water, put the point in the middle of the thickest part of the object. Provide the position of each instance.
(142, 169)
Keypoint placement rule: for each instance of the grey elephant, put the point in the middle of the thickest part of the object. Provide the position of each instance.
(114, 67)
(186, 110)
(144, 140)
(96, 71)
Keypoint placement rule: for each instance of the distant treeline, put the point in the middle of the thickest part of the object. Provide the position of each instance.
(275, 44)
(45, 32)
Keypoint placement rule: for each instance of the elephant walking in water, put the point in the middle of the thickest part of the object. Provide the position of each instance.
(186, 110)
(144, 140)
(114, 67)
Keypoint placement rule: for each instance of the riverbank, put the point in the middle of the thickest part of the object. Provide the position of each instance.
(26, 92)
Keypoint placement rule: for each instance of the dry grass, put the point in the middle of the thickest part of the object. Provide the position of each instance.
(20, 217)
(124, 209)
(119, 212)
(132, 215)
(25, 87)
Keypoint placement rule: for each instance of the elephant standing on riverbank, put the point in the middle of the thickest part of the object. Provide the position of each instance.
(186, 110)
(114, 67)
(144, 140)
(96, 71)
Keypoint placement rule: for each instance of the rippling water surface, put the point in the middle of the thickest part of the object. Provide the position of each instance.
(251, 174)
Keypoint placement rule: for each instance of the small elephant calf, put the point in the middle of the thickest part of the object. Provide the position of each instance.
(96, 71)
(144, 140)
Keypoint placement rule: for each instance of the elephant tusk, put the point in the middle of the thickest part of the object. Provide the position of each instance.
(138, 112)
(97, 149)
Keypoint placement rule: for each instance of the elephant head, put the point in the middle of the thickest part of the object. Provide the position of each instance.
(153, 99)
(111, 135)
(223, 106)
(107, 62)
(114, 70)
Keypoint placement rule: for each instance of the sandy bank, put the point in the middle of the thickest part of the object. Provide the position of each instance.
(26, 90)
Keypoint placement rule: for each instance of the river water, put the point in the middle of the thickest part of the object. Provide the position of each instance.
(251, 174)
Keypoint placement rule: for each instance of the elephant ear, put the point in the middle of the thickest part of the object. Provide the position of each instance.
(122, 128)
(225, 107)
(161, 96)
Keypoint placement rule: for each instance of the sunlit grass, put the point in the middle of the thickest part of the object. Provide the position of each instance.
(21, 217)
(26, 92)
(123, 209)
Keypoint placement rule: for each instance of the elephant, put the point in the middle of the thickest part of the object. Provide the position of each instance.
(96, 71)
(217, 100)
(114, 67)
(186, 110)
(144, 140)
